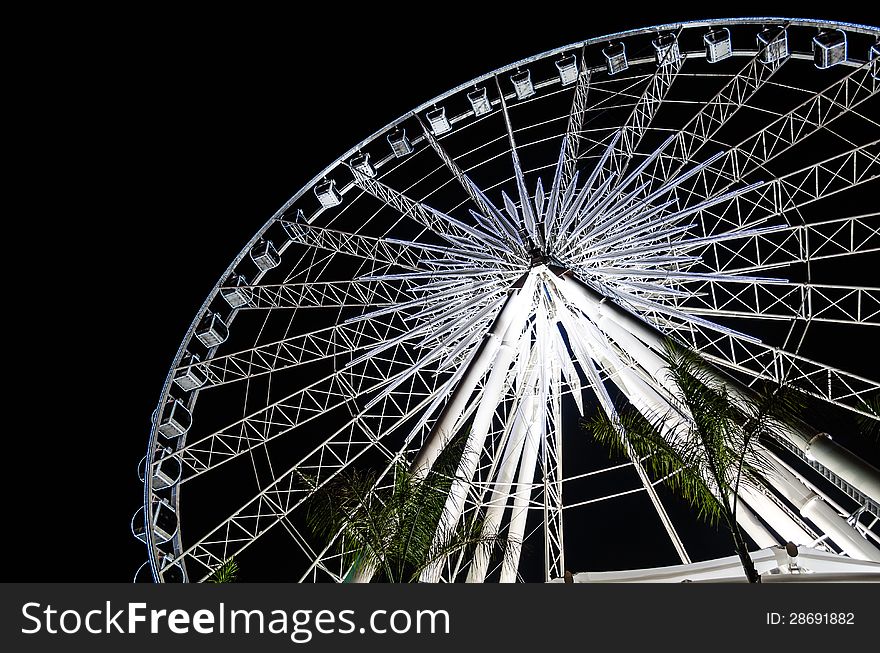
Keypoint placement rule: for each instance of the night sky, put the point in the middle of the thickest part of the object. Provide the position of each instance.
(172, 140)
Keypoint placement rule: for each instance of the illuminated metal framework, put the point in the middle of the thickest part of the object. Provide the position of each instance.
(495, 269)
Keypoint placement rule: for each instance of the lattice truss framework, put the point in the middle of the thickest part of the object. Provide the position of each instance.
(704, 229)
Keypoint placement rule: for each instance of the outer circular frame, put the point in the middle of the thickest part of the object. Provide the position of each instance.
(159, 561)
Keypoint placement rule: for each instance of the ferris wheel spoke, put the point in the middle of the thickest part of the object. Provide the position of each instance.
(776, 300)
(321, 344)
(361, 292)
(642, 115)
(380, 375)
(576, 115)
(585, 145)
(788, 193)
(287, 492)
(641, 214)
(488, 216)
(675, 247)
(639, 304)
(382, 250)
(460, 292)
(441, 224)
(775, 247)
(811, 116)
(712, 116)
(760, 361)
(730, 212)
(341, 340)
(787, 131)
(528, 224)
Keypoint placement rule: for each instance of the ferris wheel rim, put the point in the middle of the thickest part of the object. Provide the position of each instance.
(383, 131)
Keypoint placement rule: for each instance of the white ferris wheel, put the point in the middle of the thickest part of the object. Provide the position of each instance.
(511, 255)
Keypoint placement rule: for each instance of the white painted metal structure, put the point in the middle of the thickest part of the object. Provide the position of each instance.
(516, 249)
(773, 563)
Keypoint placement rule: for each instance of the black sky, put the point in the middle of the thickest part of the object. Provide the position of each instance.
(158, 149)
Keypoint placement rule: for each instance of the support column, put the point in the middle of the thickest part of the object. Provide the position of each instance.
(622, 326)
(598, 350)
(503, 484)
(478, 366)
(788, 529)
(849, 467)
(753, 527)
(522, 495)
(476, 441)
(648, 402)
(861, 474)
(811, 506)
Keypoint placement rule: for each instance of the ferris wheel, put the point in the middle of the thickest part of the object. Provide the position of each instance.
(510, 256)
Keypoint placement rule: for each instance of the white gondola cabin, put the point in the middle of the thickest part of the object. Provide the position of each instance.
(265, 256)
(479, 99)
(773, 44)
(212, 330)
(327, 194)
(438, 121)
(399, 143)
(189, 375)
(361, 163)
(666, 49)
(829, 48)
(166, 471)
(568, 69)
(236, 291)
(522, 85)
(718, 45)
(615, 58)
(164, 522)
(176, 419)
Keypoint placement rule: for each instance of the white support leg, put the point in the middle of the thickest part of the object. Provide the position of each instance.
(522, 494)
(478, 366)
(785, 526)
(748, 520)
(858, 473)
(503, 484)
(811, 506)
(476, 441)
(600, 351)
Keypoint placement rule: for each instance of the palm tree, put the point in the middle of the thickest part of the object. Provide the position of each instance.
(704, 447)
(393, 531)
(227, 572)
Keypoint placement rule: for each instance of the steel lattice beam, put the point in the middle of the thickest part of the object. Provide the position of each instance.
(317, 294)
(803, 301)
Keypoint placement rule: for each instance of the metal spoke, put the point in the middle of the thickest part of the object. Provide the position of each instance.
(782, 301)
(576, 221)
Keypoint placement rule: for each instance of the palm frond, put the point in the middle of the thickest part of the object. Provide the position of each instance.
(393, 528)
(227, 572)
(681, 462)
